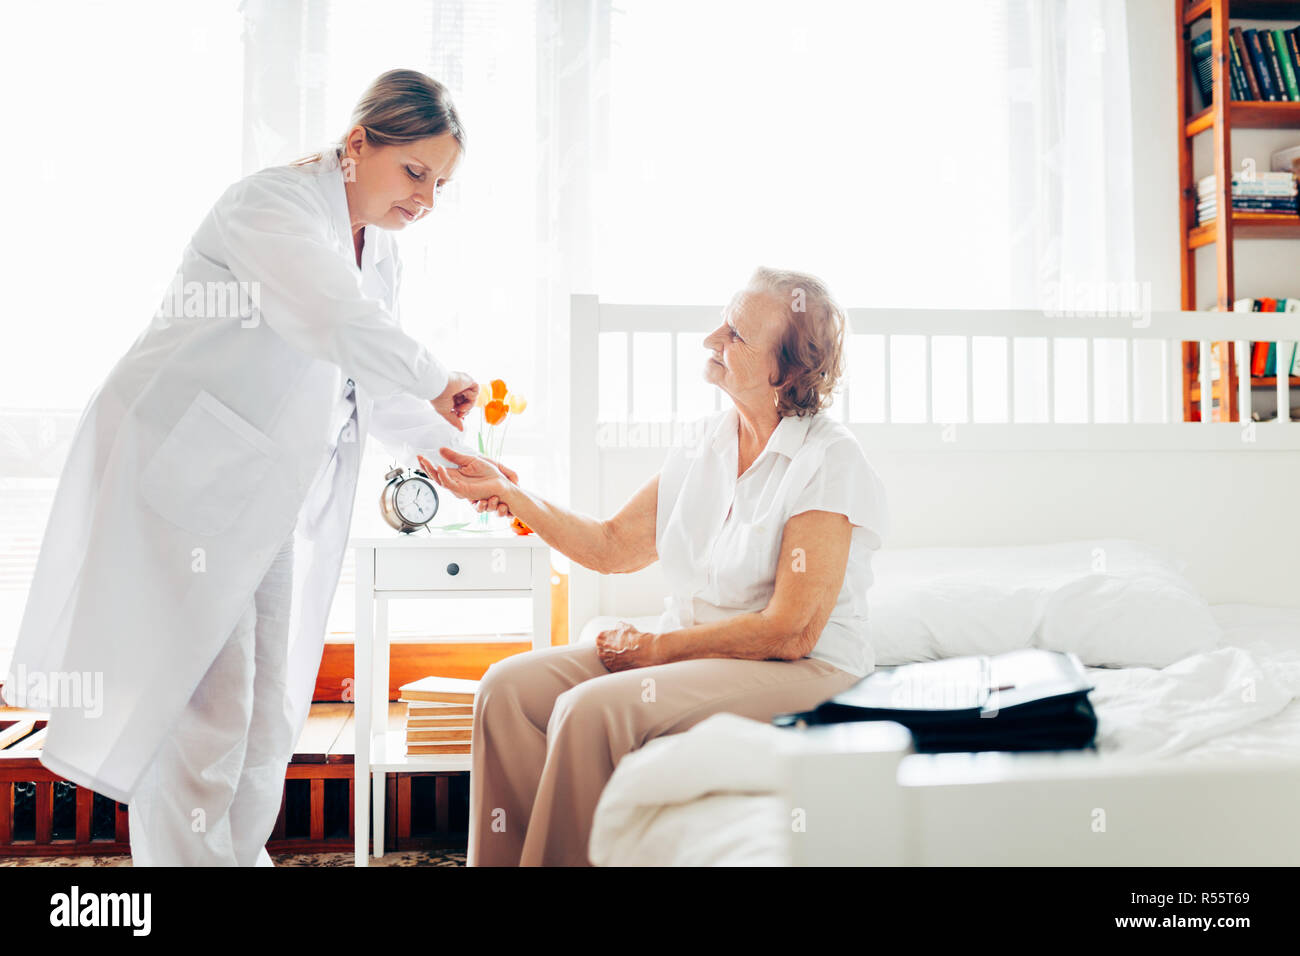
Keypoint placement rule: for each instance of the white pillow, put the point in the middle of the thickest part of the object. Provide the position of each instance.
(1113, 602)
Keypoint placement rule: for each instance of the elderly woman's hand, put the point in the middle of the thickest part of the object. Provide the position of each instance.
(624, 647)
(495, 503)
(475, 478)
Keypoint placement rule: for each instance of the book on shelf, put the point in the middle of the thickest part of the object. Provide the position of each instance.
(455, 734)
(1281, 54)
(1255, 203)
(424, 708)
(1203, 66)
(1292, 38)
(1270, 191)
(1208, 215)
(433, 749)
(1241, 63)
(1236, 72)
(1261, 65)
(421, 719)
(1263, 72)
(1274, 68)
(1261, 182)
(441, 690)
(1264, 360)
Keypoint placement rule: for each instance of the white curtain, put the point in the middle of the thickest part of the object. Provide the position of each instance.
(976, 156)
(963, 154)
(128, 123)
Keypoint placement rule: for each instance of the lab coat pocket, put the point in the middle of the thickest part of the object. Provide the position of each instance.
(208, 468)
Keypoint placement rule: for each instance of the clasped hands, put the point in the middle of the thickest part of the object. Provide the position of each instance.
(486, 483)
(481, 481)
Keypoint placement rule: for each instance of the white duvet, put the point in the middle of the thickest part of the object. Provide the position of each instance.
(710, 796)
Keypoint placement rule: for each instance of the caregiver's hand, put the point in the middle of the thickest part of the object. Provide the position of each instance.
(457, 399)
(474, 478)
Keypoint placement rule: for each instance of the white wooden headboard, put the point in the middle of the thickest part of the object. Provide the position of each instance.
(1220, 495)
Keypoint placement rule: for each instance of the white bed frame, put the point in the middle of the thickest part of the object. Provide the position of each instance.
(1217, 494)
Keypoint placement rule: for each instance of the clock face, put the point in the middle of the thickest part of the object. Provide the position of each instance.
(415, 501)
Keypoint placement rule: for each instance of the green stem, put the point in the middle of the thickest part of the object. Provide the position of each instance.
(501, 449)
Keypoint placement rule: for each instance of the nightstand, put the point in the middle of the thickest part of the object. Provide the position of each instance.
(495, 564)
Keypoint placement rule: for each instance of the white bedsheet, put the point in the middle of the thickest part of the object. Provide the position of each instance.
(710, 796)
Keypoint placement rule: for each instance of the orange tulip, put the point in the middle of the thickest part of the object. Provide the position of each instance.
(498, 389)
(495, 412)
(518, 527)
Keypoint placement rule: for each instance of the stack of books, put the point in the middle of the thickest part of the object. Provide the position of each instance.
(439, 715)
(1263, 65)
(1263, 192)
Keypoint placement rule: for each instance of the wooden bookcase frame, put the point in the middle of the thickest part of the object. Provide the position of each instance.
(1219, 119)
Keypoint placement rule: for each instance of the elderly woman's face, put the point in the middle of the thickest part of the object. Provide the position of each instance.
(396, 185)
(744, 347)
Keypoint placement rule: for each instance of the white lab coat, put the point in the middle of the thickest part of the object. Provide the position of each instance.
(189, 469)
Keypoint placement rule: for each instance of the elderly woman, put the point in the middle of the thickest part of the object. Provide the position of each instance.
(765, 526)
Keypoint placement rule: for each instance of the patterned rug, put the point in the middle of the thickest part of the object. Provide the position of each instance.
(402, 858)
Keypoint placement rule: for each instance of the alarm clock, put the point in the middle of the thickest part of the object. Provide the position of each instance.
(409, 499)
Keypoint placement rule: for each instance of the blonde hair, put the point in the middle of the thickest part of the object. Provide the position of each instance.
(401, 106)
(810, 354)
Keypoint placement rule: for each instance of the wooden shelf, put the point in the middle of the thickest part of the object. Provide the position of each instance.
(1244, 9)
(1256, 381)
(1249, 114)
(1248, 225)
(1261, 381)
(1220, 119)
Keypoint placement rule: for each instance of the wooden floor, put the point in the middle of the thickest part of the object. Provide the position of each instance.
(326, 737)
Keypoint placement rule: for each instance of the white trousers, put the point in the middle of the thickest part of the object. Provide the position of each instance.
(212, 793)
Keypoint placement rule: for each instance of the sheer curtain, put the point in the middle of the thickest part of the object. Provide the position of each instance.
(123, 139)
(966, 159)
(973, 154)
(978, 156)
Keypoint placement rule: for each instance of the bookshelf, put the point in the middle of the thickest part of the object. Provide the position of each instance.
(1219, 120)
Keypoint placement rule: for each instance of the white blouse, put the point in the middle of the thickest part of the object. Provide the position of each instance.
(718, 537)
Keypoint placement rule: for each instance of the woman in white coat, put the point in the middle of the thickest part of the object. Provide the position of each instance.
(176, 618)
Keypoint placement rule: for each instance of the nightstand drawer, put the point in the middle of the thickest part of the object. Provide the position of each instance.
(452, 569)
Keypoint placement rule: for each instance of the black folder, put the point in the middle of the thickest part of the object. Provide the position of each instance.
(1030, 699)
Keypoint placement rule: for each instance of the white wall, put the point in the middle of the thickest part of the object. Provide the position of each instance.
(1155, 156)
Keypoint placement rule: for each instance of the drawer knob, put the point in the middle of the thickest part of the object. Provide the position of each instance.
(453, 568)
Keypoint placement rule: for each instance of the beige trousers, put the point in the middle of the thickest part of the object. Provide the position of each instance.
(550, 725)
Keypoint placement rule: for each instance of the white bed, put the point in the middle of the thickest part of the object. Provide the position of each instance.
(717, 795)
(1198, 762)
